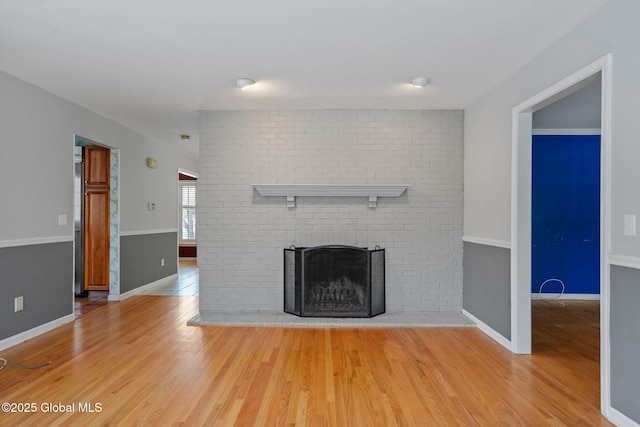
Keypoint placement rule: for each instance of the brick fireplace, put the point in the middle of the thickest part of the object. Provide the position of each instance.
(242, 233)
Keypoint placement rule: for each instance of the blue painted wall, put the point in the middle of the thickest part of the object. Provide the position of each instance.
(566, 213)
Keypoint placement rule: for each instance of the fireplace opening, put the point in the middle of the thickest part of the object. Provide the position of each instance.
(334, 281)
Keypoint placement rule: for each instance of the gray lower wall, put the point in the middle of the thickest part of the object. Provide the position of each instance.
(625, 341)
(486, 285)
(43, 275)
(140, 257)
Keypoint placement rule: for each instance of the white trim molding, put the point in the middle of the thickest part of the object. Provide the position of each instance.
(618, 418)
(291, 191)
(487, 242)
(143, 232)
(493, 334)
(552, 296)
(35, 241)
(34, 332)
(521, 176)
(566, 131)
(624, 261)
(144, 288)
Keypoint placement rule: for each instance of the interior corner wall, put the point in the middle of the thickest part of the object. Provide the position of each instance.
(241, 235)
(488, 138)
(37, 132)
(580, 110)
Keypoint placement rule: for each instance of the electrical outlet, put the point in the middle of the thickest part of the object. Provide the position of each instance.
(18, 304)
(162, 262)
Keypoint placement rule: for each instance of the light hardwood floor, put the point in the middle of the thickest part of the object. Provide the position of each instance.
(139, 361)
(187, 283)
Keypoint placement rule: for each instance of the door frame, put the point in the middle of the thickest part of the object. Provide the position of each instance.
(521, 178)
(114, 221)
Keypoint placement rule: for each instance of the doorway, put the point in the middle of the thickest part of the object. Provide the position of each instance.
(187, 205)
(566, 241)
(96, 220)
(521, 221)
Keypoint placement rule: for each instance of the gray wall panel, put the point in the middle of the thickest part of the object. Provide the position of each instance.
(43, 275)
(140, 257)
(487, 291)
(625, 341)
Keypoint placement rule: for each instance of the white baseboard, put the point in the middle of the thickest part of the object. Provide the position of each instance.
(585, 297)
(157, 284)
(34, 332)
(619, 419)
(489, 331)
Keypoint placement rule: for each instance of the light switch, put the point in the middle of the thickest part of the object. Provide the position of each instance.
(62, 219)
(629, 225)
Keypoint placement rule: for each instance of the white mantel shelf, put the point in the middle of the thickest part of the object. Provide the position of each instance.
(291, 191)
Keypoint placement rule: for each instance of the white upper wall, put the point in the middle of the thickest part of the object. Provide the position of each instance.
(37, 132)
(612, 29)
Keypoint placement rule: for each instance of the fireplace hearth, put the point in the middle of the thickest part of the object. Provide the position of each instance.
(334, 281)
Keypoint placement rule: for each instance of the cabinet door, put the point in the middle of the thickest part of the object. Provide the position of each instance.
(96, 242)
(96, 218)
(97, 165)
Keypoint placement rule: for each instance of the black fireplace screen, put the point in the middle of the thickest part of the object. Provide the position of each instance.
(334, 281)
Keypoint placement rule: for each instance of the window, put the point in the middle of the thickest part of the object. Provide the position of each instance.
(188, 211)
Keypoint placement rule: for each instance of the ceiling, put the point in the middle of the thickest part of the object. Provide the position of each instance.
(151, 65)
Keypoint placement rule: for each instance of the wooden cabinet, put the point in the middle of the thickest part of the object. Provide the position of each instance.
(96, 166)
(96, 218)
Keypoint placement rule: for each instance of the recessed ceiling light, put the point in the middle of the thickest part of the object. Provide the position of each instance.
(244, 83)
(420, 81)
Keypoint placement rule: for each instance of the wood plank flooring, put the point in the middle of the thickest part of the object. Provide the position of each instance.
(187, 283)
(94, 300)
(139, 361)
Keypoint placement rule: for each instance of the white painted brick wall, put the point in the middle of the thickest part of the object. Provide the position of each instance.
(241, 235)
